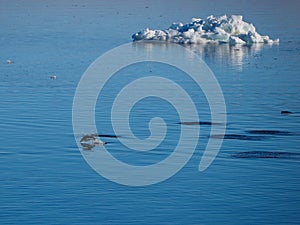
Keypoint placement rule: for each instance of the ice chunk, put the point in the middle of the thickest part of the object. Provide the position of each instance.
(224, 29)
(235, 40)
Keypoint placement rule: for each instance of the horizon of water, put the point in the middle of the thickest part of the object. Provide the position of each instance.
(44, 178)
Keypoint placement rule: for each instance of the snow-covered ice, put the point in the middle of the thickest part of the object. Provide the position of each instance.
(224, 29)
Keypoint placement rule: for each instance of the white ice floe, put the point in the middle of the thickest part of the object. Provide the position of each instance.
(223, 29)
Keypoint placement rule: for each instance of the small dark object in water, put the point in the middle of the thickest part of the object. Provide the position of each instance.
(108, 136)
(200, 123)
(238, 137)
(269, 132)
(266, 155)
(53, 77)
(286, 113)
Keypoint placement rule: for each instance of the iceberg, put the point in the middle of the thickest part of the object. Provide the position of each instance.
(224, 29)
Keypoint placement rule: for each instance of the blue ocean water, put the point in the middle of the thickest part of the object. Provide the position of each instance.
(44, 178)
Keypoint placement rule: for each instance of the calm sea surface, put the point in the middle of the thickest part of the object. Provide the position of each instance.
(44, 179)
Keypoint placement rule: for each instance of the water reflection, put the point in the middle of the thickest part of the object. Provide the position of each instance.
(233, 55)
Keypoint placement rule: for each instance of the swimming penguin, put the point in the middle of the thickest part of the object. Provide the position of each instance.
(89, 141)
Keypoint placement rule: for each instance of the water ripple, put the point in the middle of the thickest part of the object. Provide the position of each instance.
(266, 155)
